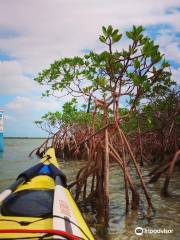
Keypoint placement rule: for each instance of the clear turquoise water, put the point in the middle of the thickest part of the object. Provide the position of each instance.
(15, 159)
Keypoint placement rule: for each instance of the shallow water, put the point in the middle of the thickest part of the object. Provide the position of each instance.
(167, 215)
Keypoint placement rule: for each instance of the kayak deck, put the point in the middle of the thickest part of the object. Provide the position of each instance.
(8, 222)
(65, 215)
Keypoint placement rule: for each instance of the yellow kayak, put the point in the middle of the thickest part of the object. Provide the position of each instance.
(39, 205)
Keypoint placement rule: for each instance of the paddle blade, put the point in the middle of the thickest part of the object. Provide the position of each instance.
(11, 188)
(4, 195)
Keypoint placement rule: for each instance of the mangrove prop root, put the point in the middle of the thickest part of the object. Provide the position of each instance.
(138, 171)
(111, 144)
(170, 171)
(124, 170)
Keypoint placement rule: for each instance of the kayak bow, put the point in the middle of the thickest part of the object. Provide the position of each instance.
(39, 205)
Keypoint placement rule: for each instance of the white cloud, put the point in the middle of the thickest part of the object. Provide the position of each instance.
(12, 80)
(48, 30)
(52, 29)
(8, 117)
(23, 105)
(176, 75)
(21, 112)
(169, 44)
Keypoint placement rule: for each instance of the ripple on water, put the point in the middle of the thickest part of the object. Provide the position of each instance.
(121, 227)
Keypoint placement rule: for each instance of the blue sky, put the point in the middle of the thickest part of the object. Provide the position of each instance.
(35, 33)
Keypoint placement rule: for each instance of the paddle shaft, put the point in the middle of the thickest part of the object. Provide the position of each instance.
(58, 181)
(11, 188)
(23, 177)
